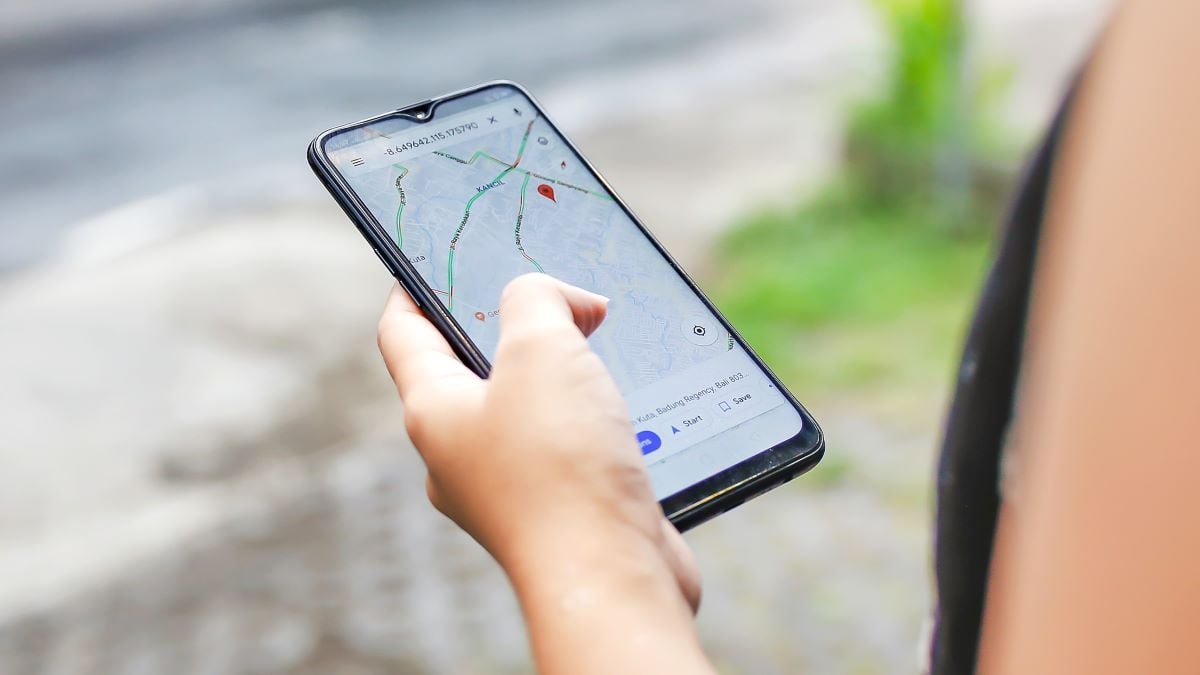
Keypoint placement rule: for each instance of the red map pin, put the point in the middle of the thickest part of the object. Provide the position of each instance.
(547, 192)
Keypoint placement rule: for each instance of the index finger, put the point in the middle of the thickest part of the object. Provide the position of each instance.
(533, 302)
(416, 354)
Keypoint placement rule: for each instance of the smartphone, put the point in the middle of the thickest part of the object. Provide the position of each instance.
(460, 194)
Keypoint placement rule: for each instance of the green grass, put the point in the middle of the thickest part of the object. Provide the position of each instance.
(840, 297)
(831, 472)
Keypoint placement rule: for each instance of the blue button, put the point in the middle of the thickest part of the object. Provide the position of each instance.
(649, 441)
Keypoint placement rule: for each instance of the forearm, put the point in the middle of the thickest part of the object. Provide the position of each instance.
(605, 605)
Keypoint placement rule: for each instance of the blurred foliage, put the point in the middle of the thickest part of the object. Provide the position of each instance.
(921, 140)
(843, 293)
(920, 107)
(868, 284)
(833, 471)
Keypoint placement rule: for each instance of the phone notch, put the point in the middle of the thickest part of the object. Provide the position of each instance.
(420, 112)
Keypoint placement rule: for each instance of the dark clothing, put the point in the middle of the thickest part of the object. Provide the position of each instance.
(968, 475)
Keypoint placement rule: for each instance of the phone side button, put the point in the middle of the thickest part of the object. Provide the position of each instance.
(380, 256)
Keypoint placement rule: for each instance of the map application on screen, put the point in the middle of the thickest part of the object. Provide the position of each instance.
(476, 198)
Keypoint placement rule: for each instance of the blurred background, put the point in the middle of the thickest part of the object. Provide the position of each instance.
(202, 464)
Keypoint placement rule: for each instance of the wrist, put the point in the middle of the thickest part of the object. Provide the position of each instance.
(562, 550)
(574, 562)
(606, 598)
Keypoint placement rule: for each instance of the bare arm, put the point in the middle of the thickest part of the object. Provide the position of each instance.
(1097, 565)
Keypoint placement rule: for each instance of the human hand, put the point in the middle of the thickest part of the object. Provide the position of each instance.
(539, 462)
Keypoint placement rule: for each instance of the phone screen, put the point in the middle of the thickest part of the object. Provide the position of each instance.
(486, 190)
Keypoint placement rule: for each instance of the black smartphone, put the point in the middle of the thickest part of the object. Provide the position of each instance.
(462, 193)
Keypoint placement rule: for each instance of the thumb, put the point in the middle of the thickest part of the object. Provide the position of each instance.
(538, 302)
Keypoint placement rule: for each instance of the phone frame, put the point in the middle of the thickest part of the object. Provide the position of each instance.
(765, 470)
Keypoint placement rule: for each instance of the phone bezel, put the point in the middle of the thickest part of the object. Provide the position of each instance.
(712, 496)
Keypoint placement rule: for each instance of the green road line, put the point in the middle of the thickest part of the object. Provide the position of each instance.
(517, 229)
(480, 153)
(467, 212)
(458, 233)
(524, 140)
(400, 230)
(403, 201)
(548, 179)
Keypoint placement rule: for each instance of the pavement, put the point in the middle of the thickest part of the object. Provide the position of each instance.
(204, 469)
